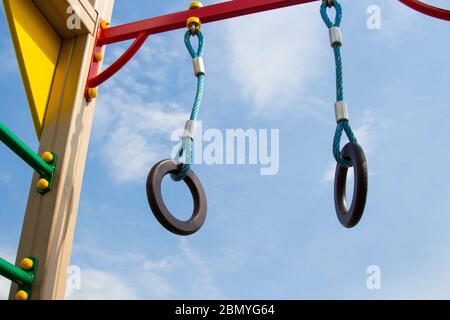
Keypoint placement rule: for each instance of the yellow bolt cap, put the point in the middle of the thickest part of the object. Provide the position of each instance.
(195, 5)
(21, 295)
(42, 184)
(47, 156)
(26, 264)
(93, 93)
(194, 21)
(104, 24)
(98, 57)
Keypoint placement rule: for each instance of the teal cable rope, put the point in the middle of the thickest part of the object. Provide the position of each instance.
(326, 19)
(201, 43)
(342, 125)
(186, 145)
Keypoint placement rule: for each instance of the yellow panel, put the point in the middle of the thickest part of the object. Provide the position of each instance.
(37, 47)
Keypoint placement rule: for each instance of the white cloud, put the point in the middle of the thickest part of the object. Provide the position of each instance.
(426, 278)
(183, 274)
(4, 288)
(7, 58)
(133, 133)
(203, 284)
(397, 19)
(129, 154)
(274, 56)
(328, 175)
(5, 177)
(103, 285)
(430, 280)
(199, 279)
(5, 284)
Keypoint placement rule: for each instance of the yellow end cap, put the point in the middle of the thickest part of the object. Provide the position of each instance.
(195, 5)
(104, 24)
(194, 21)
(93, 93)
(26, 264)
(47, 156)
(42, 184)
(98, 57)
(21, 295)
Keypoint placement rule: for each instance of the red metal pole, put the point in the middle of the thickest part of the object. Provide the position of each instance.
(211, 13)
(427, 9)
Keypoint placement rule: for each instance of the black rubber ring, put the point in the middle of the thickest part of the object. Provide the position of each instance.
(350, 217)
(156, 201)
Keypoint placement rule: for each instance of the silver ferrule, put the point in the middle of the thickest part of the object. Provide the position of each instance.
(340, 108)
(189, 129)
(335, 36)
(199, 66)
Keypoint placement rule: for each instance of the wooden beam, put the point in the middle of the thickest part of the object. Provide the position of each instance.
(49, 222)
(57, 13)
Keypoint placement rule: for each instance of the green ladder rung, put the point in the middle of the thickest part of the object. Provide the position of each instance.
(45, 169)
(23, 278)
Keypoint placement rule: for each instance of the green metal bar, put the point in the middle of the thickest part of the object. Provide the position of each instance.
(15, 274)
(23, 151)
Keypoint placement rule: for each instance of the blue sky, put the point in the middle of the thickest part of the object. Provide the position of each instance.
(266, 237)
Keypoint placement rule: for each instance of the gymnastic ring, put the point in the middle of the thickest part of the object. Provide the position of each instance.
(349, 217)
(156, 201)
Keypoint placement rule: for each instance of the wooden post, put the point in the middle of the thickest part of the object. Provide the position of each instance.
(49, 222)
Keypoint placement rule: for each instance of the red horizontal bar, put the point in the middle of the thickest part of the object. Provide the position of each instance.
(427, 9)
(211, 13)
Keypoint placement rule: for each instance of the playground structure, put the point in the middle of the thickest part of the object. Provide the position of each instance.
(63, 122)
